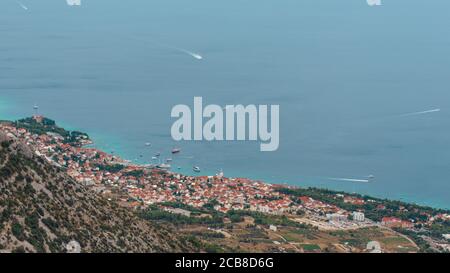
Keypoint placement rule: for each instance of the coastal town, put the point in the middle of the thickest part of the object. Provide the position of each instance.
(138, 186)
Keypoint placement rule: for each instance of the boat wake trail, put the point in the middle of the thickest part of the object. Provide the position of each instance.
(22, 5)
(421, 112)
(190, 53)
(350, 180)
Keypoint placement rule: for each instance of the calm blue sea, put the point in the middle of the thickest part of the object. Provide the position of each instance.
(341, 71)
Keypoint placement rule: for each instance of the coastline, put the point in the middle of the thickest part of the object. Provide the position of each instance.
(106, 144)
(187, 171)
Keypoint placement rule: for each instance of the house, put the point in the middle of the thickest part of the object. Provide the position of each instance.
(394, 222)
(358, 216)
(354, 200)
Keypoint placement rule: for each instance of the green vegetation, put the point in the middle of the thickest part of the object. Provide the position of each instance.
(264, 219)
(113, 168)
(155, 213)
(194, 211)
(208, 247)
(49, 126)
(310, 247)
(420, 242)
(210, 205)
(135, 173)
(402, 210)
(208, 234)
(438, 228)
(375, 209)
(5, 144)
(18, 231)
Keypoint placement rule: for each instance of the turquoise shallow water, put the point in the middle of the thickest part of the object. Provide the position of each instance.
(342, 73)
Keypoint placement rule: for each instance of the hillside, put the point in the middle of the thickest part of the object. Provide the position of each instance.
(43, 210)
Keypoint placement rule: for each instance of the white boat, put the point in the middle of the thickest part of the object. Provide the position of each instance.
(176, 150)
(220, 174)
(196, 169)
(163, 166)
(148, 144)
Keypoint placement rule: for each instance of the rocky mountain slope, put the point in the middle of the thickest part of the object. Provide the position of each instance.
(44, 210)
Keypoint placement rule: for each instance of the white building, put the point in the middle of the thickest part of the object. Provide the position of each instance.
(336, 217)
(358, 216)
